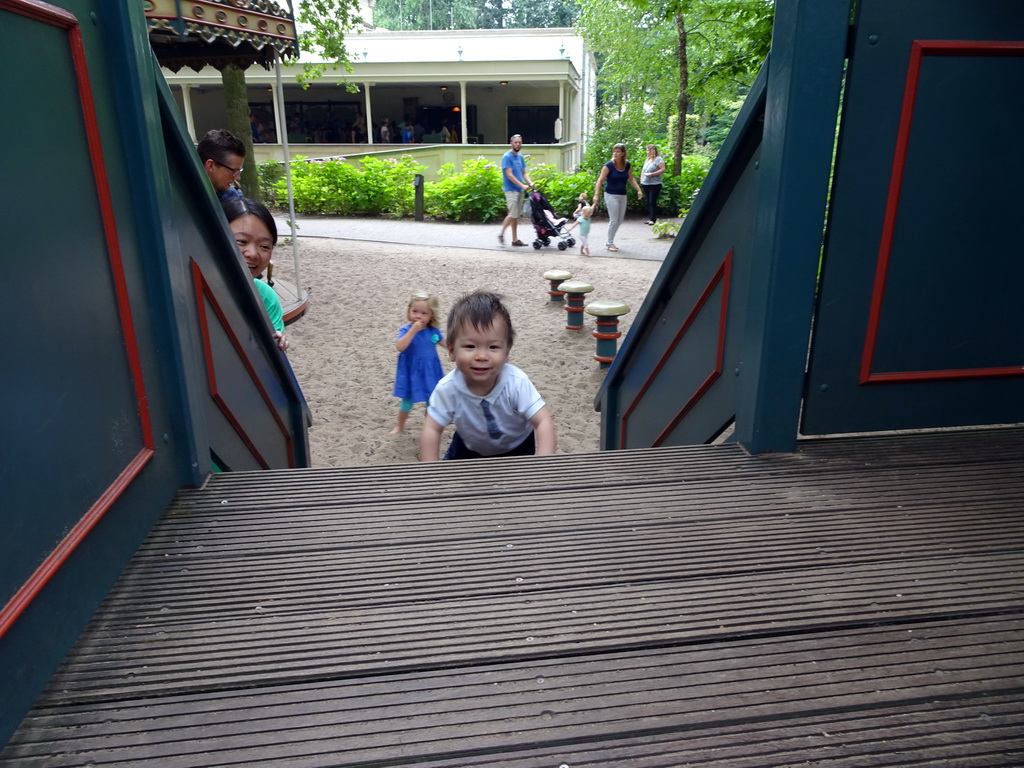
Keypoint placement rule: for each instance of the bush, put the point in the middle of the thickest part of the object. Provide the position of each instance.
(689, 138)
(316, 185)
(378, 188)
(269, 174)
(679, 191)
(385, 188)
(472, 195)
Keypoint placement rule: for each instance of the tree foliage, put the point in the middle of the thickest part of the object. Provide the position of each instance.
(656, 59)
(425, 14)
(323, 25)
(473, 14)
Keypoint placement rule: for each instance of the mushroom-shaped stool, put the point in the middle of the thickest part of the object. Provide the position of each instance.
(607, 312)
(575, 291)
(554, 277)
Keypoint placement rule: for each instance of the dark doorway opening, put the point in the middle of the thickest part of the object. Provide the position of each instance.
(535, 124)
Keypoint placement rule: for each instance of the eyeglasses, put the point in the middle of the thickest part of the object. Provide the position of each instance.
(234, 171)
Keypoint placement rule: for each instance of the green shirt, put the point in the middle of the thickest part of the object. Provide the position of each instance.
(272, 303)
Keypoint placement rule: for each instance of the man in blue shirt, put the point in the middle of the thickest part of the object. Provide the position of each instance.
(514, 181)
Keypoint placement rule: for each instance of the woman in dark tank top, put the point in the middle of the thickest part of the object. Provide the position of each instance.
(616, 174)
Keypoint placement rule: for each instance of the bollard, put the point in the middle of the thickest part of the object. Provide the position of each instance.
(554, 277)
(417, 183)
(576, 291)
(607, 312)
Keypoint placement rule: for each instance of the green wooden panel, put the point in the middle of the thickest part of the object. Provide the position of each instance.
(69, 404)
(919, 313)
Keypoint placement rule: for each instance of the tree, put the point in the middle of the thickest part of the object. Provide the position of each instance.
(540, 13)
(655, 59)
(237, 103)
(323, 25)
(425, 14)
(473, 14)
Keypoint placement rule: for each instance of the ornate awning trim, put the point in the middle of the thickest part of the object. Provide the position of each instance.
(197, 33)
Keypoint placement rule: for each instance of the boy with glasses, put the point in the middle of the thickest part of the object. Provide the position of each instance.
(223, 155)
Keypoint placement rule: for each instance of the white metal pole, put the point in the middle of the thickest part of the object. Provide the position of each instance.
(288, 174)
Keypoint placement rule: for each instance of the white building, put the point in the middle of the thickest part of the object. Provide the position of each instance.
(485, 84)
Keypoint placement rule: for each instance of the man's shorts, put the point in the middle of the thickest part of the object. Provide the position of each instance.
(514, 201)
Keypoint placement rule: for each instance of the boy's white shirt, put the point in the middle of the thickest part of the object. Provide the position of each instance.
(513, 402)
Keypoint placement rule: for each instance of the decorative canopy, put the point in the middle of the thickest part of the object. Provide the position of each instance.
(199, 33)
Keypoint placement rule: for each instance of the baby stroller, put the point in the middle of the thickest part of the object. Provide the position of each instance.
(546, 224)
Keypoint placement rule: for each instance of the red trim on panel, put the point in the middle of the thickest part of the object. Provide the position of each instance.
(953, 373)
(39, 11)
(62, 19)
(92, 130)
(919, 49)
(972, 47)
(55, 559)
(203, 294)
(722, 275)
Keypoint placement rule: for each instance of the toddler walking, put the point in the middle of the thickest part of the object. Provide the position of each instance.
(418, 369)
(581, 203)
(495, 407)
(584, 222)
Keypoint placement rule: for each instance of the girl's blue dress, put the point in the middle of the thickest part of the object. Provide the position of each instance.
(419, 368)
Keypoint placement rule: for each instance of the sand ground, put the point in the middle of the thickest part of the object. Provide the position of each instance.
(343, 354)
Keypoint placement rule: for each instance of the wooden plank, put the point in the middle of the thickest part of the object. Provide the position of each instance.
(407, 634)
(858, 603)
(862, 693)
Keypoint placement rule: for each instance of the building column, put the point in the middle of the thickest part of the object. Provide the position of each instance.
(462, 113)
(563, 112)
(369, 113)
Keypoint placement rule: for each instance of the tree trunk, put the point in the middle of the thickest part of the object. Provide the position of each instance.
(683, 103)
(237, 102)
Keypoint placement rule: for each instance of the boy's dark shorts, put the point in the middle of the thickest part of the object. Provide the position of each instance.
(458, 450)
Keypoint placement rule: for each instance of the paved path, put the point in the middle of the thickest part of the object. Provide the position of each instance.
(634, 238)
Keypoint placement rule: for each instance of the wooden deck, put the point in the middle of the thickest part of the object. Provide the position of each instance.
(858, 603)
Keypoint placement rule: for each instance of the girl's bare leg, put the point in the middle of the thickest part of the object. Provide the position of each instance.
(402, 417)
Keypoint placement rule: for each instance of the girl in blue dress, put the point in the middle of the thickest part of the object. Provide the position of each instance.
(419, 368)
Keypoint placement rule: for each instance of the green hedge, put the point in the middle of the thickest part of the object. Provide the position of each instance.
(376, 188)
(474, 194)
(385, 188)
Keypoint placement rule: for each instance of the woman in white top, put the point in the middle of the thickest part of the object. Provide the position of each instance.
(650, 180)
